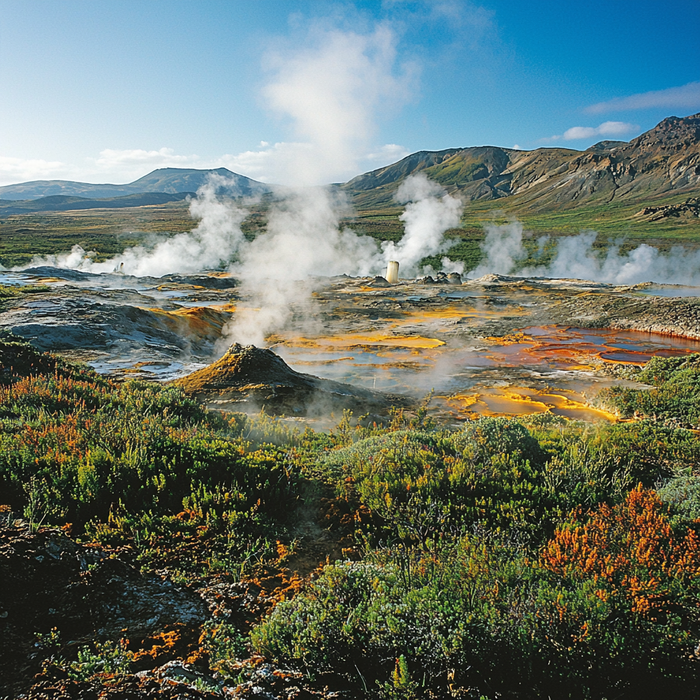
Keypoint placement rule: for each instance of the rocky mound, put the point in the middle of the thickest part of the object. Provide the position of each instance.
(690, 209)
(247, 377)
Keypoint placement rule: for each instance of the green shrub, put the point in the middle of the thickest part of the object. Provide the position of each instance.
(420, 486)
(137, 463)
(484, 616)
(100, 658)
(674, 398)
(682, 494)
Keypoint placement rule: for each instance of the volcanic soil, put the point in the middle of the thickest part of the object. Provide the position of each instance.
(248, 378)
(51, 582)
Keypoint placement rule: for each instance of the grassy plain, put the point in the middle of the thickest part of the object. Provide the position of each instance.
(109, 231)
(105, 231)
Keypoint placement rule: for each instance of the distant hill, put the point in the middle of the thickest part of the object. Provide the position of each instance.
(61, 202)
(664, 160)
(163, 180)
(174, 180)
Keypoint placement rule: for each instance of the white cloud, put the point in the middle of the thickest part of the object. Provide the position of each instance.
(131, 163)
(387, 154)
(331, 82)
(332, 85)
(464, 15)
(14, 170)
(605, 129)
(111, 165)
(682, 97)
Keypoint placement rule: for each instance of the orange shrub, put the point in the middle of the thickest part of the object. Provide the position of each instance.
(631, 551)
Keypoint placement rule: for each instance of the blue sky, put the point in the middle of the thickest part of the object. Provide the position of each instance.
(307, 92)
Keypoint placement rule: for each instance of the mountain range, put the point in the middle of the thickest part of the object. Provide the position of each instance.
(663, 160)
(661, 164)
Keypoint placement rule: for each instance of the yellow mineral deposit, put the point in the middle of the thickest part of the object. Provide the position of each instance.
(203, 321)
(524, 401)
(353, 340)
(412, 344)
(448, 313)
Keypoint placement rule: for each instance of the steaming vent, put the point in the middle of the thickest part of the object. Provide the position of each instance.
(392, 272)
(252, 377)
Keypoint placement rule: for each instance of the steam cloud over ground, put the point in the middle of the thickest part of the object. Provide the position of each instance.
(304, 239)
(210, 245)
(575, 257)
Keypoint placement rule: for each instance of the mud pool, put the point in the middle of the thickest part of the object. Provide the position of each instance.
(486, 347)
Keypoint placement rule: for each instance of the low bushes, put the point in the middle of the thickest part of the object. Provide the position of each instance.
(607, 607)
(508, 559)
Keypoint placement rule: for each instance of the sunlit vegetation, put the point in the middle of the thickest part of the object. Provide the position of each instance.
(674, 398)
(137, 463)
(524, 558)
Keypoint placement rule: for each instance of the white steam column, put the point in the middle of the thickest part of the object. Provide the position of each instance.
(392, 272)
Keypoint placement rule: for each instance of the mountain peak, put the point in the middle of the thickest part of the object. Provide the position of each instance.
(684, 131)
(605, 146)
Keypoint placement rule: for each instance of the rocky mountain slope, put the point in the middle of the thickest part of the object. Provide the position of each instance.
(665, 160)
(660, 165)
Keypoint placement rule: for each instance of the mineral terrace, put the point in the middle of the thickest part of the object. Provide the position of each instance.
(494, 345)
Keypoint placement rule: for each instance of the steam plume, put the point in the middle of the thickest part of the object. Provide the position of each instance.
(429, 213)
(332, 85)
(211, 244)
(575, 257)
(303, 239)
